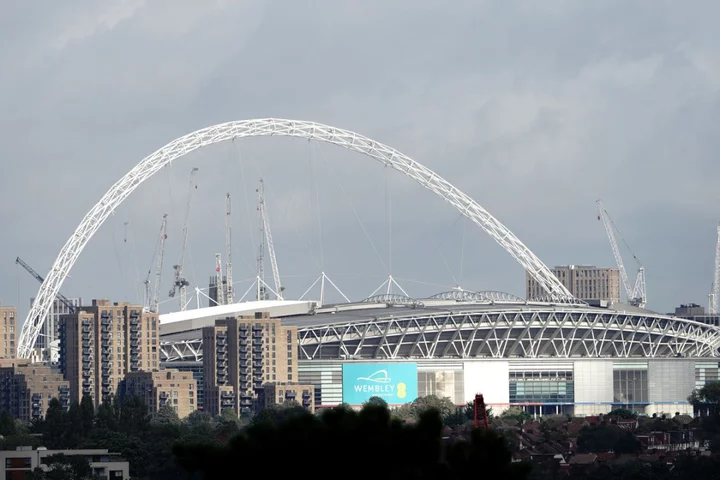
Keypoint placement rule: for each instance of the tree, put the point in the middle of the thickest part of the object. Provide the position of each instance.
(379, 401)
(107, 415)
(627, 443)
(87, 412)
(623, 413)
(165, 416)
(415, 409)
(598, 439)
(7, 424)
(517, 414)
(706, 399)
(74, 426)
(372, 437)
(133, 415)
(62, 467)
(55, 426)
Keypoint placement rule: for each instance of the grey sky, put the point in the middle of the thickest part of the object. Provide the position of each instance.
(535, 109)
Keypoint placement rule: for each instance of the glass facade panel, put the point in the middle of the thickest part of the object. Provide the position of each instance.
(630, 387)
(556, 388)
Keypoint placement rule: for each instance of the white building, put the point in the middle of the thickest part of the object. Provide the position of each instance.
(22, 461)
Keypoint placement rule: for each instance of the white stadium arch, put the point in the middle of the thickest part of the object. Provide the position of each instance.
(269, 127)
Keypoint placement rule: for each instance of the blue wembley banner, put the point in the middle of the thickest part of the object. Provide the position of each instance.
(396, 383)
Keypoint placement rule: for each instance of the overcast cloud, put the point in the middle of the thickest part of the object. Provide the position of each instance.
(535, 109)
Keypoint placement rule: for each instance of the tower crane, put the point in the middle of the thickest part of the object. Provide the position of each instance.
(266, 237)
(636, 293)
(152, 295)
(180, 284)
(229, 290)
(220, 292)
(715, 293)
(60, 296)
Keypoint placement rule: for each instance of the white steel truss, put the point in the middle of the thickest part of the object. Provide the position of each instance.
(502, 332)
(269, 127)
(507, 333)
(182, 350)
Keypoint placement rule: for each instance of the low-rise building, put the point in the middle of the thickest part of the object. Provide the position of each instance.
(20, 463)
(26, 390)
(279, 393)
(163, 388)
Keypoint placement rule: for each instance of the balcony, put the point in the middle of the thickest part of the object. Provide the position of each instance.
(228, 403)
(306, 394)
(243, 334)
(257, 328)
(244, 385)
(306, 402)
(163, 395)
(105, 321)
(226, 394)
(221, 379)
(257, 335)
(246, 402)
(221, 341)
(257, 342)
(290, 394)
(258, 385)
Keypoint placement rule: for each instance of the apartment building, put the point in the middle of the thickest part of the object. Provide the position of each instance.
(279, 393)
(585, 282)
(26, 390)
(242, 354)
(102, 342)
(9, 323)
(163, 388)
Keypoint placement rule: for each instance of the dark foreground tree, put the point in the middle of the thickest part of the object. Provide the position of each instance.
(357, 445)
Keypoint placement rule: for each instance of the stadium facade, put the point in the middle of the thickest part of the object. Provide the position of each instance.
(546, 357)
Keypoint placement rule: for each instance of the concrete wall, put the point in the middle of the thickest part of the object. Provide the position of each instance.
(670, 382)
(491, 378)
(593, 386)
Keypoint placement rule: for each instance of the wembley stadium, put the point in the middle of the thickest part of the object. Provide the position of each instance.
(544, 356)
(555, 354)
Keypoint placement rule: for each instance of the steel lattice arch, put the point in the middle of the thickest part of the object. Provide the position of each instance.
(507, 331)
(271, 127)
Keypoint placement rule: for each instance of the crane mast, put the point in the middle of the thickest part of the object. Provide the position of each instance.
(265, 228)
(220, 292)
(180, 284)
(229, 290)
(261, 246)
(715, 294)
(635, 292)
(152, 296)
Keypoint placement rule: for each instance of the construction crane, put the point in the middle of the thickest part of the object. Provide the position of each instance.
(219, 291)
(229, 290)
(715, 293)
(480, 412)
(60, 296)
(266, 238)
(180, 284)
(636, 294)
(152, 295)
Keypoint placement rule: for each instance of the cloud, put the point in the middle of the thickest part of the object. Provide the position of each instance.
(535, 109)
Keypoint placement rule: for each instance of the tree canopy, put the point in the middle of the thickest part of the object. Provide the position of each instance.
(358, 442)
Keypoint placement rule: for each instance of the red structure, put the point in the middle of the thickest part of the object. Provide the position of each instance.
(480, 412)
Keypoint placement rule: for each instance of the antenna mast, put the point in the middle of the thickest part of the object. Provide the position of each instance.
(229, 290)
(181, 283)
